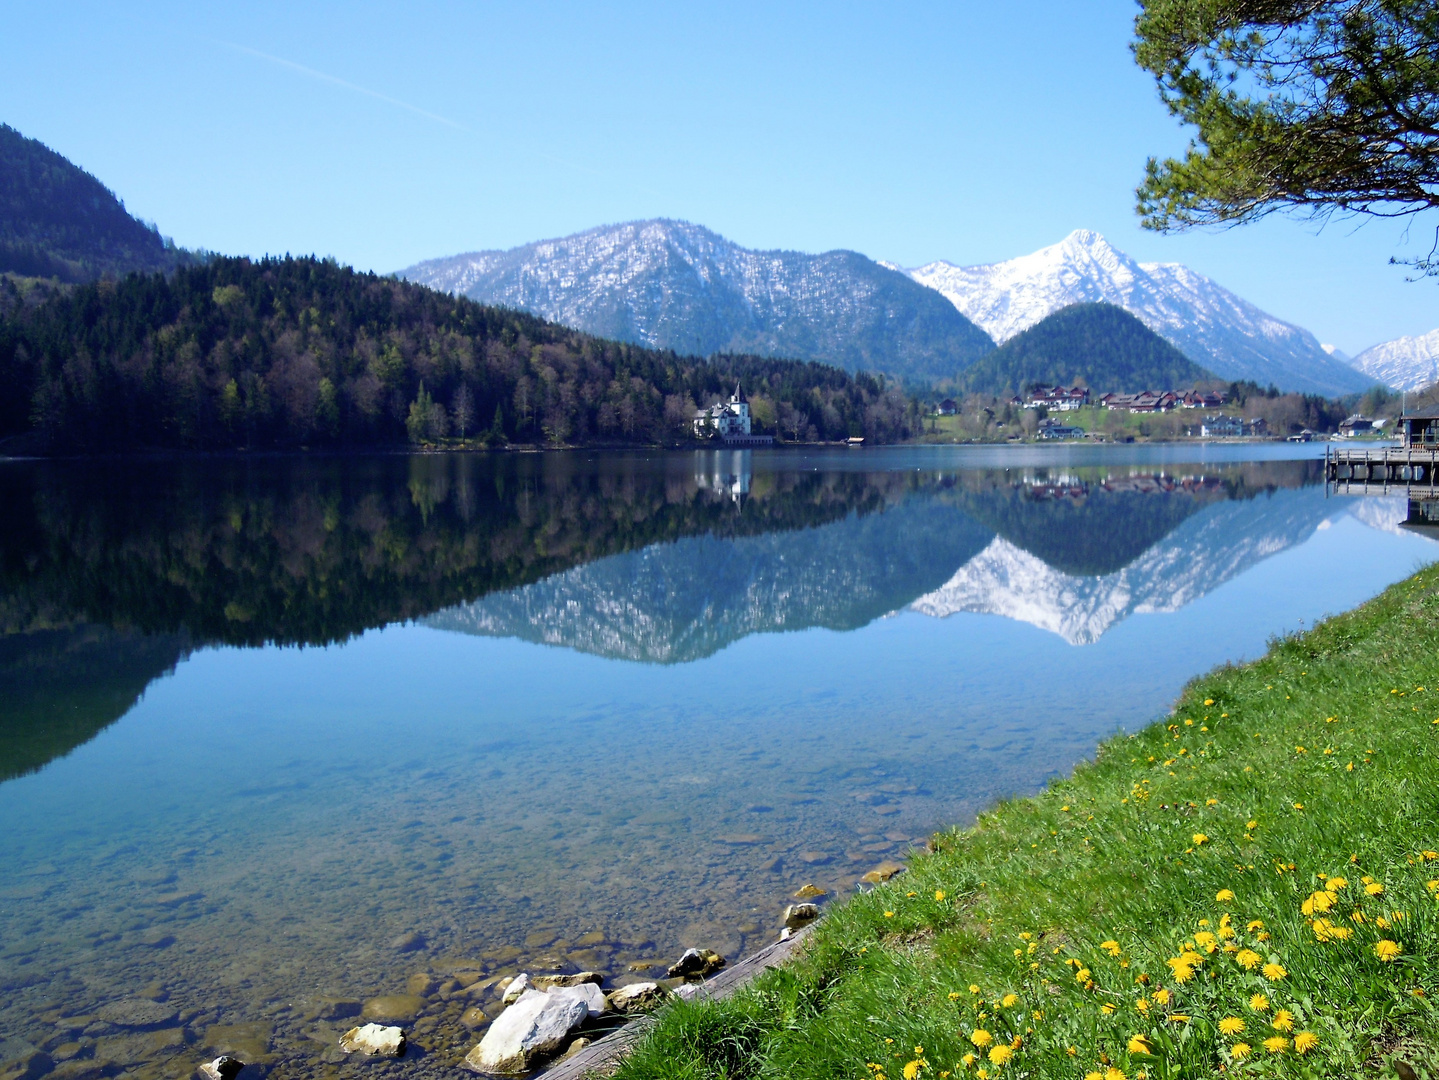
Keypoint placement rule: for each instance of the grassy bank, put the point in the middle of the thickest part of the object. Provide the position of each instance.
(1248, 888)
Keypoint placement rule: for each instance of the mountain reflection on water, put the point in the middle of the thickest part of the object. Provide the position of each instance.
(110, 573)
(243, 751)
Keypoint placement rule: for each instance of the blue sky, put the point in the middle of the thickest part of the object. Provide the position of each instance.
(385, 134)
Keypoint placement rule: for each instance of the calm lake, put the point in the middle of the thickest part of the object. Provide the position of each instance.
(278, 735)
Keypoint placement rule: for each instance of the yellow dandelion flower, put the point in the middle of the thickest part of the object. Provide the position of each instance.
(1254, 924)
(1251, 825)
(1009, 1001)
(1142, 1006)
(1318, 902)
(1387, 950)
(1114, 1074)
(1223, 896)
(1231, 1025)
(1205, 940)
(1240, 1051)
(1259, 1003)
(1336, 883)
(983, 1074)
(973, 989)
(981, 1038)
(1138, 1044)
(1094, 1076)
(1374, 888)
(1209, 701)
(967, 1060)
(911, 1070)
(1200, 838)
(1161, 997)
(1276, 1044)
(1283, 1021)
(1273, 972)
(889, 914)
(1247, 959)
(1305, 1041)
(998, 1055)
(1111, 947)
(938, 894)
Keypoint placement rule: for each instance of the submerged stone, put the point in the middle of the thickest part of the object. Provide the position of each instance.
(883, 872)
(137, 1013)
(393, 1007)
(808, 892)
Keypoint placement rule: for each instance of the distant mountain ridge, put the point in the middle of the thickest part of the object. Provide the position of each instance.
(673, 285)
(1104, 345)
(1406, 363)
(1213, 327)
(58, 221)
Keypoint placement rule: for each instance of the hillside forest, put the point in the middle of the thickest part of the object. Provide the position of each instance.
(289, 352)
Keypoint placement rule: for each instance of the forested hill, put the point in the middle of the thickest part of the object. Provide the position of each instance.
(1103, 345)
(290, 352)
(58, 221)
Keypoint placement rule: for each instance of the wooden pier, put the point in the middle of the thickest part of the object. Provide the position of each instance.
(1408, 469)
(1383, 470)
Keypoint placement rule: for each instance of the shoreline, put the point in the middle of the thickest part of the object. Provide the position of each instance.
(1124, 904)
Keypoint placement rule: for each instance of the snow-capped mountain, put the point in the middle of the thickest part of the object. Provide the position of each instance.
(673, 285)
(1407, 363)
(1213, 327)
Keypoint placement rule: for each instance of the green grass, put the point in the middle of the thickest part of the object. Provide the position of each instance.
(1319, 759)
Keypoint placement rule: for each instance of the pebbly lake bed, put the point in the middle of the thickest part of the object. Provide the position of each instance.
(282, 736)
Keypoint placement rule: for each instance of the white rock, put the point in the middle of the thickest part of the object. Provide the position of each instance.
(377, 1040)
(223, 1067)
(589, 993)
(516, 989)
(531, 1028)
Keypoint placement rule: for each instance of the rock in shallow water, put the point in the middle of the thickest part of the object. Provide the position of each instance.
(637, 997)
(393, 1007)
(375, 1040)
(883, 872)
(223, 1067)
(409, 942)
(797, 915)
(808, 892)
(137, 1013)
(696, 962)
(516, 988)
(589, 993)
(544, 982)
(529, 1030)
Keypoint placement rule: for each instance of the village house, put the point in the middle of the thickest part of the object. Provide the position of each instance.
(947, 407)
(1146, 401)
(1060, 398)
(1221, 427)
(1053, 429)
(1358, 425)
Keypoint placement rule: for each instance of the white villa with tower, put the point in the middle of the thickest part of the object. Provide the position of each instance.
(730, 420)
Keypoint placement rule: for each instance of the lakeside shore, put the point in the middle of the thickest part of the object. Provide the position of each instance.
(1247, 887)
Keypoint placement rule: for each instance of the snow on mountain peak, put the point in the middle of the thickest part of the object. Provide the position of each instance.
(1406, 363)
(1213, 327)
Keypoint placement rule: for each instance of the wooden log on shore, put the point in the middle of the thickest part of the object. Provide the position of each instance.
(600, 1056)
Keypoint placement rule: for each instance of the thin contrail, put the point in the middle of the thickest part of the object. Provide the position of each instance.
(334, 81)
